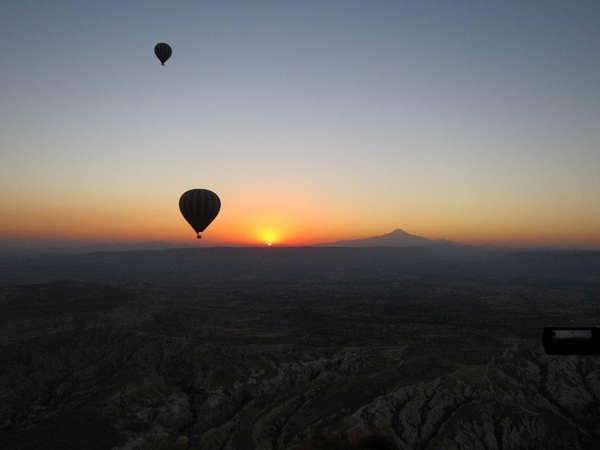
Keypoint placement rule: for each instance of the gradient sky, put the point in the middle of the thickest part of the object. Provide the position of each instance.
(314, 121)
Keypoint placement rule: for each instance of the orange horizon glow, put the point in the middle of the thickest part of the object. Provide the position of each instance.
(282, 221)
(260, 234)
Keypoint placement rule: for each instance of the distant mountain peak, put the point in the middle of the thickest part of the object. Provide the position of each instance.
(397, 238)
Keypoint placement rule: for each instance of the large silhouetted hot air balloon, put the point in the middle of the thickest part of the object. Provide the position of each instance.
(199, 207)
(163, 52)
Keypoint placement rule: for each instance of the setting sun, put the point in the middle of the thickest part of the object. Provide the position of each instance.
(269, 236)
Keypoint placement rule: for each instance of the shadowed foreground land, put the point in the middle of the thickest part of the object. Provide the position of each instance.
(260, 348)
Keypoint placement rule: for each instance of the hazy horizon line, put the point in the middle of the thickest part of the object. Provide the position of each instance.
(23, 245)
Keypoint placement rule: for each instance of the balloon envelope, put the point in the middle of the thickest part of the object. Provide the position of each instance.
(199, 207)
(163, 52)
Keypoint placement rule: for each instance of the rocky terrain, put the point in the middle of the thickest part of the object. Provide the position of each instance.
(263, 350)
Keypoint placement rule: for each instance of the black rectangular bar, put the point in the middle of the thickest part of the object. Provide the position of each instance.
(571, 340)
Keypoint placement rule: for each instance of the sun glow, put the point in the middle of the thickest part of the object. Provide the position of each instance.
(269, 236)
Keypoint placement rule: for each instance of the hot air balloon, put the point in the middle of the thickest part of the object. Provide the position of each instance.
(163, 52)
(182, 442)
(199, 207)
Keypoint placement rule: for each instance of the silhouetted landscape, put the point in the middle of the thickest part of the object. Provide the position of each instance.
(437, 346)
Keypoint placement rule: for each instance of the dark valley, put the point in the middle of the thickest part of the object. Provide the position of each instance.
(436, 346)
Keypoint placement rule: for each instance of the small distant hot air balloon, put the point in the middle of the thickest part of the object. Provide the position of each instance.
(163, 52)
(182, 442)
(199, 207)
